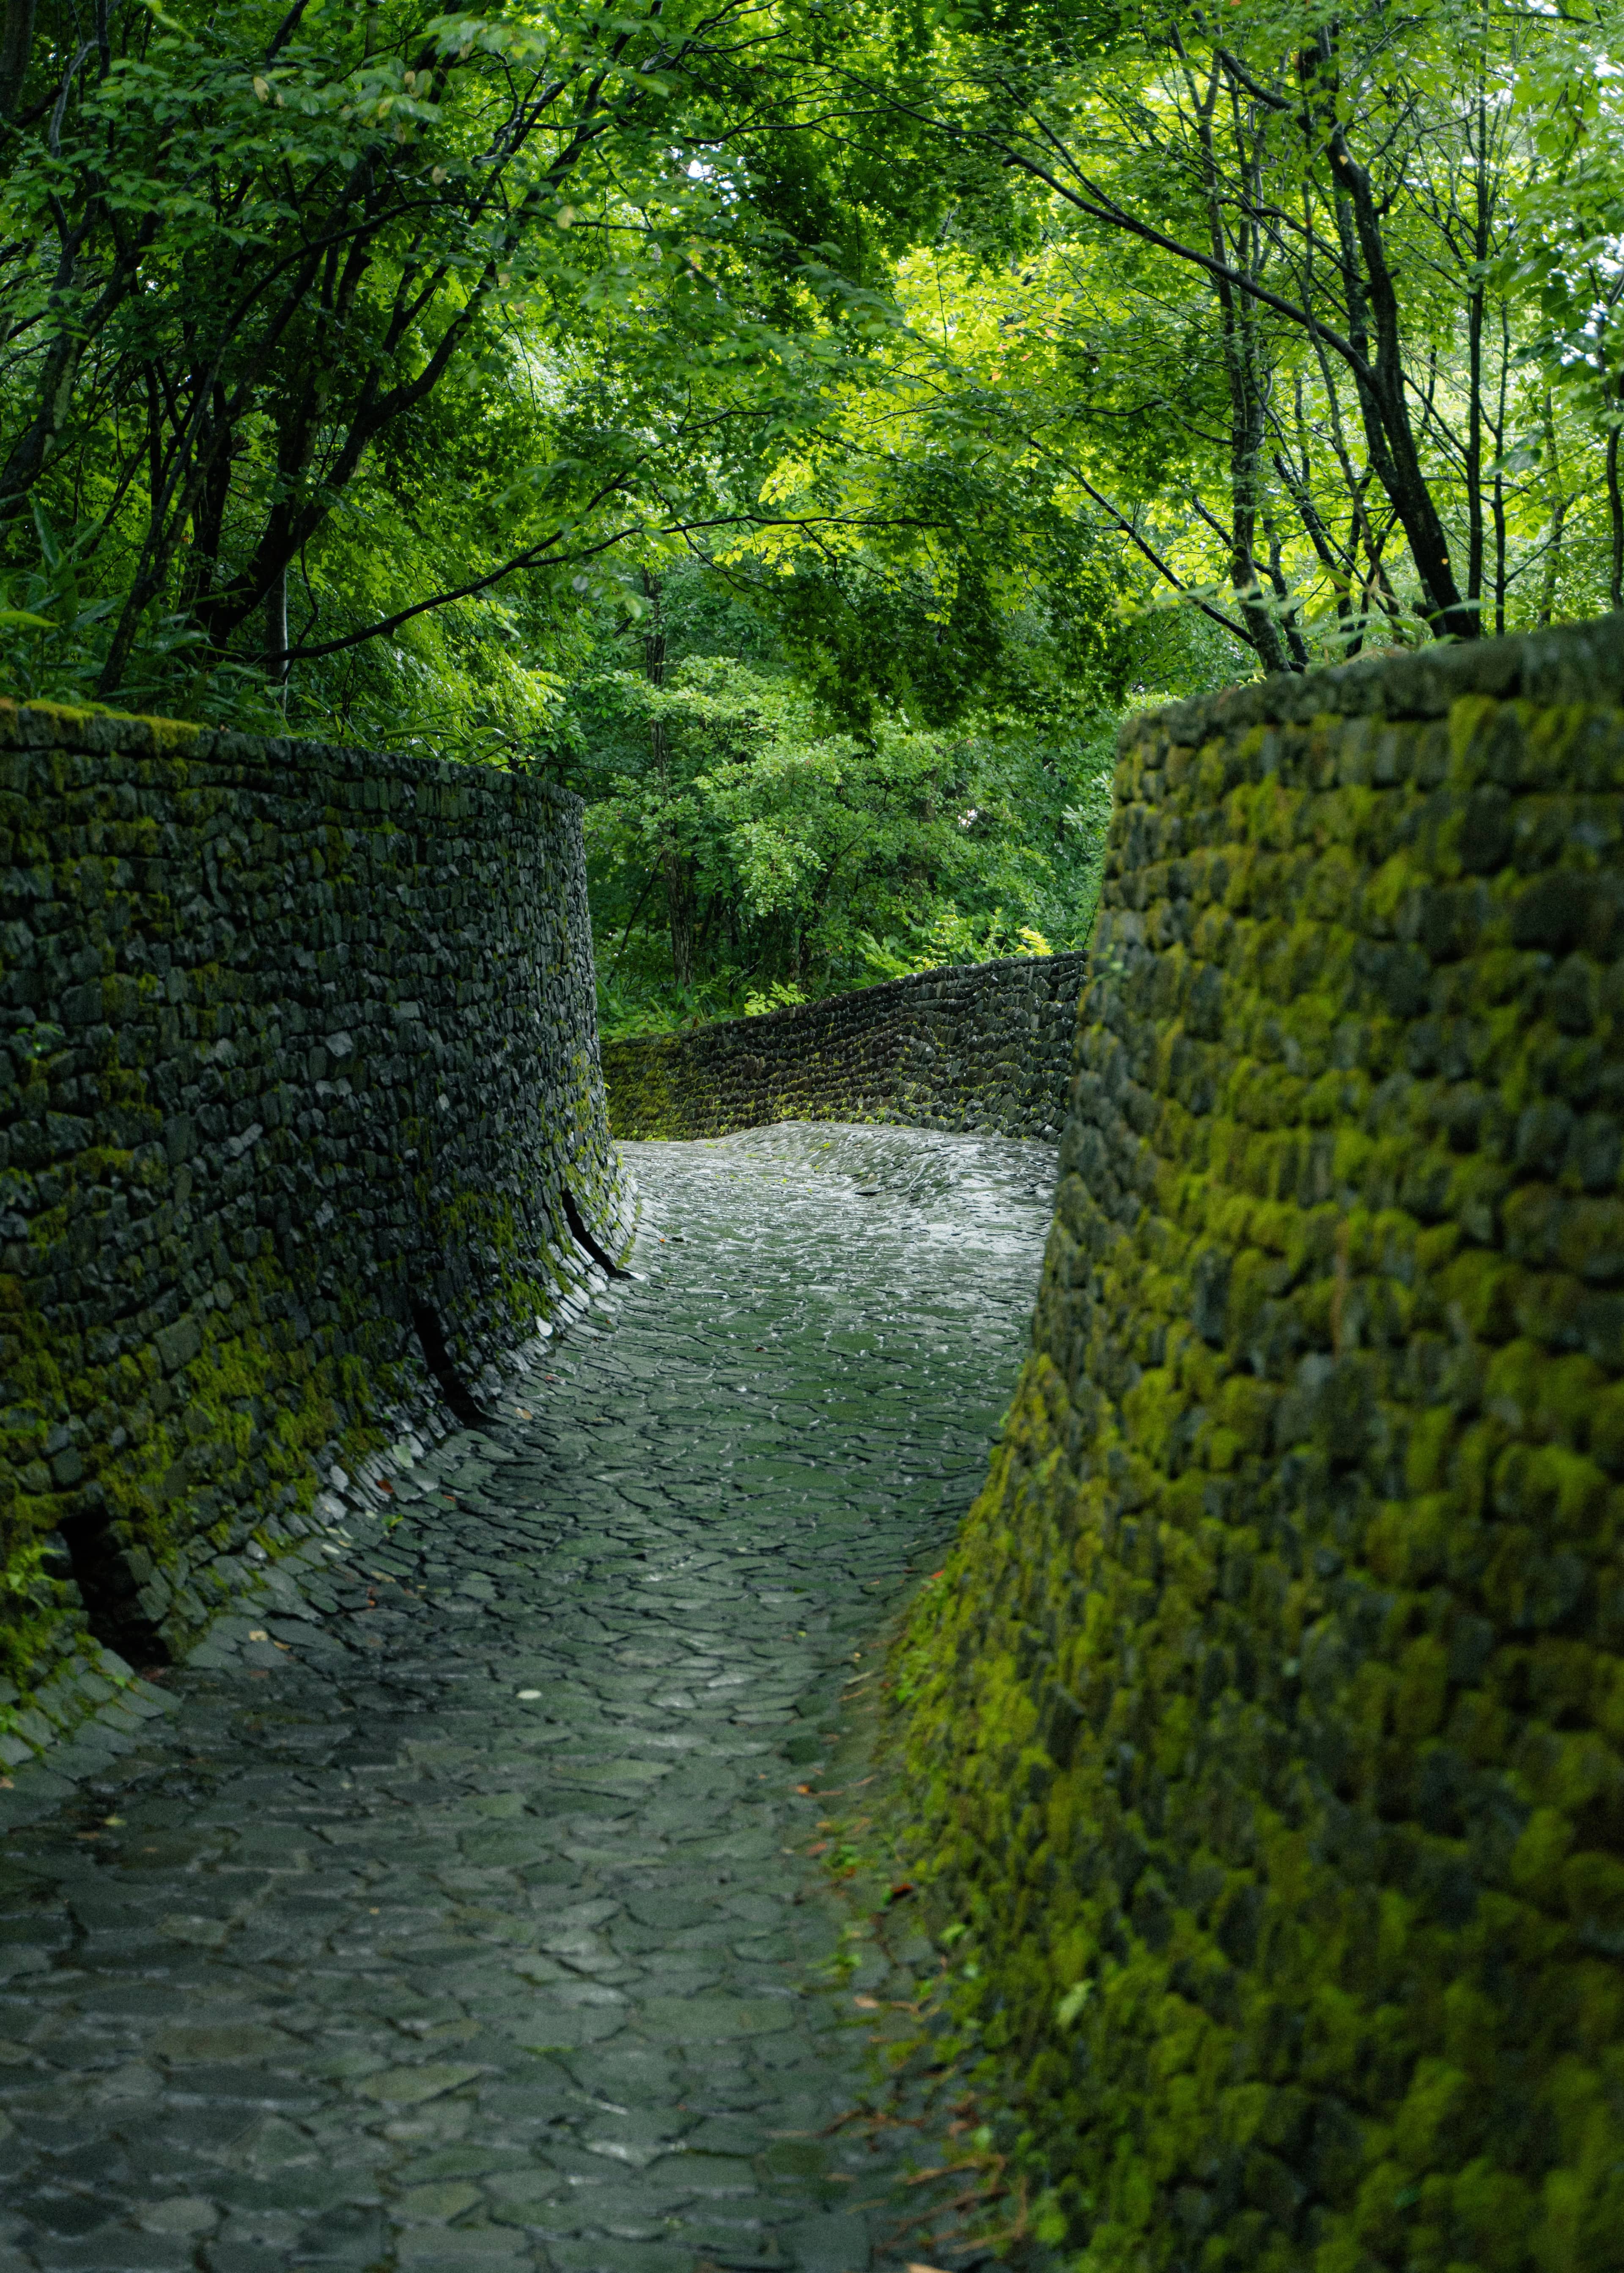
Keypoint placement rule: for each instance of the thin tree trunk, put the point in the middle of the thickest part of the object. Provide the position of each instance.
(679, 915)
(675, 870)
(1499, 479)
(1248, 413)
(1558, 514)
(1372, 299)
(16, 46)
(1615, 506)
(1482, 222)
(276, 632)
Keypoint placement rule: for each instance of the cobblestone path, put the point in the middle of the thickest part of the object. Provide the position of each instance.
(462, 1917)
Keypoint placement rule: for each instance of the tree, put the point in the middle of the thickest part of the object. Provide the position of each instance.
(248, 251)
(810, 852)
(1316, 209)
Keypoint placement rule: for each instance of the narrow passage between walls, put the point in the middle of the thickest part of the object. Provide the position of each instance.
(465, 1918)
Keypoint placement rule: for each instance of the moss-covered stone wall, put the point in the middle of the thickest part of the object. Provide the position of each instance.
(1270, 1712)
(294, 1037)
(982, 1045)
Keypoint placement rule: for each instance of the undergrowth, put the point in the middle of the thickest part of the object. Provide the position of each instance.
(907, 1963)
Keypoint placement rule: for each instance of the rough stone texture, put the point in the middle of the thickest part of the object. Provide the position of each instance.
(1269, 1714)
(296, 1037)
(972, 1046)
(467, 1906)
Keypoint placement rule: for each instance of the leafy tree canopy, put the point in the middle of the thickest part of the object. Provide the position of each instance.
(803, 425)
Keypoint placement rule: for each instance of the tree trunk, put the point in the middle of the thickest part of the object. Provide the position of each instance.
(16, 46)
(679, 915)
(1615, 506)
(676, 869)
(1248, 410)
(1559, 516)
(276, 632)
(1482, 219)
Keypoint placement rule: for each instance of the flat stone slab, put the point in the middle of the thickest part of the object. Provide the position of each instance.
(473, 1929)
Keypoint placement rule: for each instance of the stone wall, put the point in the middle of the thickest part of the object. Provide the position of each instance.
(1270, 1713)
(985, 1046)
(301, 1077)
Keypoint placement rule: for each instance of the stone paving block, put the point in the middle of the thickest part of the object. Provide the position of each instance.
(835, 2244)
(597, 2254)
(491, 2245)
(408, 2087)
(711, 2020)
(113, 2249)
(224, 2255)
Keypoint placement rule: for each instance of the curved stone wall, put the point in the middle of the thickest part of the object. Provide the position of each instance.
(302, 1079)
(982, 1045)
(1270, 1712)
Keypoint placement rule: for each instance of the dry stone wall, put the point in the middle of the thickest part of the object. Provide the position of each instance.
(980, 1047)
(299, 1077)
(1270, 1713)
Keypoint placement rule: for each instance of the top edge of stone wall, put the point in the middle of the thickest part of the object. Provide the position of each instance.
(910, 982)
(1572, 662)
(27, 728)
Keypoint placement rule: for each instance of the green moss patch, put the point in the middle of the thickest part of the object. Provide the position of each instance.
(1266, 1723)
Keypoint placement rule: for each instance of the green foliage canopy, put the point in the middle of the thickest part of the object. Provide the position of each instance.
(276, 284)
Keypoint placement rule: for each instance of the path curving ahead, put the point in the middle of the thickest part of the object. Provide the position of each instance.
(465, 1921)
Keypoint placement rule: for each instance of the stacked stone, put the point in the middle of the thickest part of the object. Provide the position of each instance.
(1271, 1711)
(296, 1037)
(985, 1046)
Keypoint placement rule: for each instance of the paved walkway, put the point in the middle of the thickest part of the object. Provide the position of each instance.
(467, 1921)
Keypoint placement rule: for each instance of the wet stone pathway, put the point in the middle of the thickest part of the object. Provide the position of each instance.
(460, 1914)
